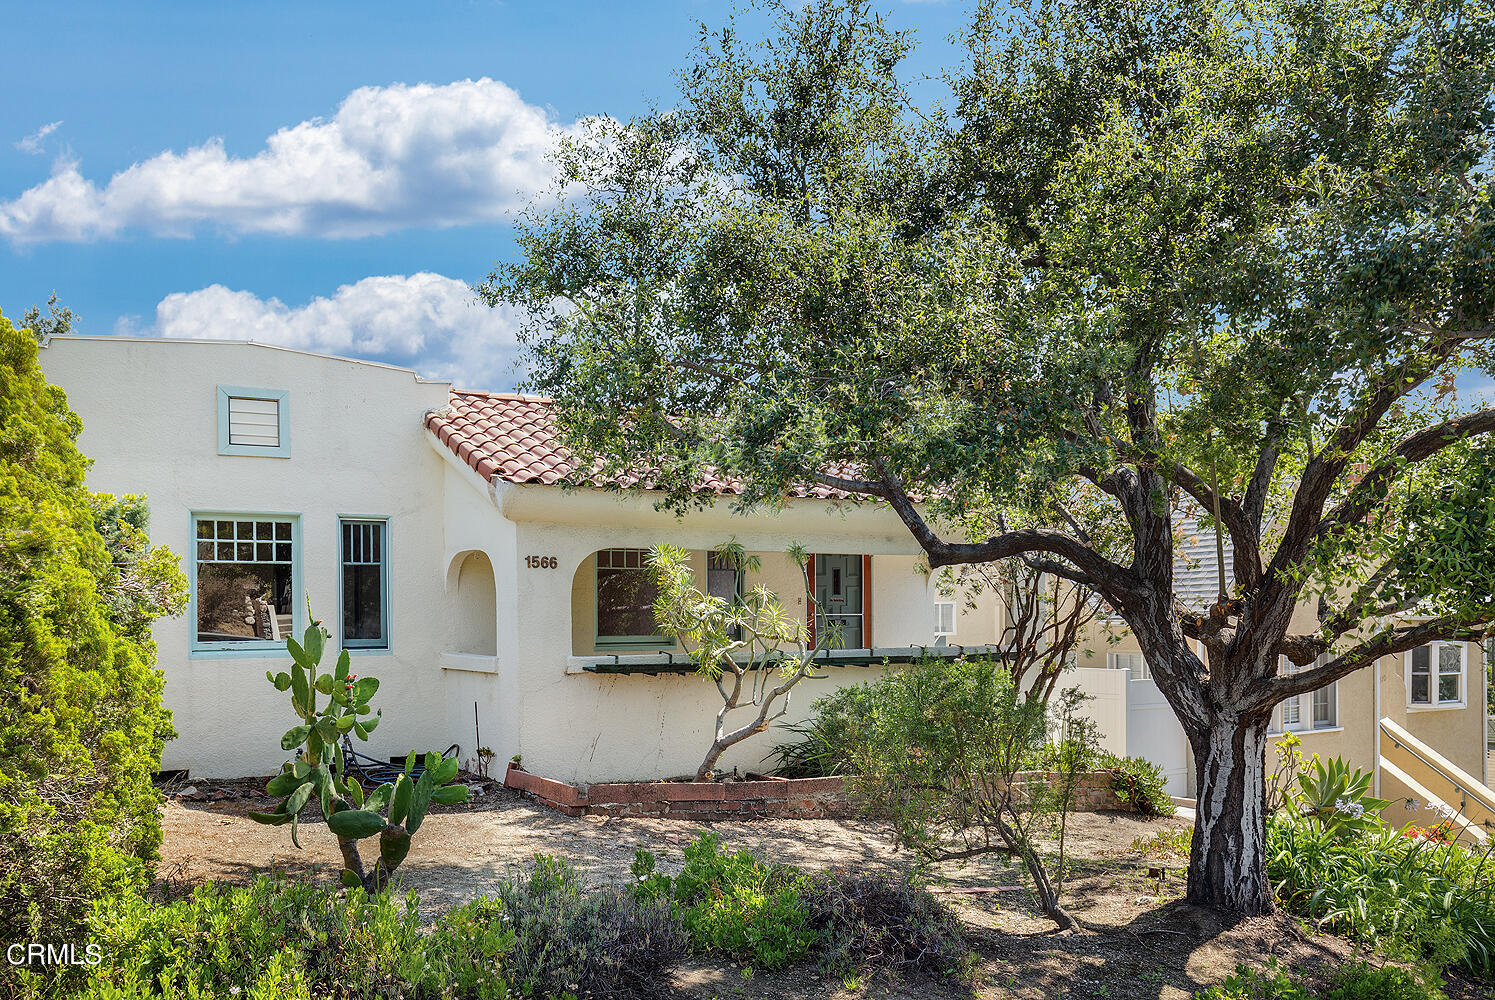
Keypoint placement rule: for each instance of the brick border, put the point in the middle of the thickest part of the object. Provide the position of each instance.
(792, 798)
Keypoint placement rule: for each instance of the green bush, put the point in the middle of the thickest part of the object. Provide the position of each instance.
(1271, 983)
(825, 736)
(1361, 981)
(1356, 981)
(1140, 784)
(81, 722)
(547, 935)
(732, 905)
(1408, 896)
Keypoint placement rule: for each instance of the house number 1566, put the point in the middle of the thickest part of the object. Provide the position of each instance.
(540, 562)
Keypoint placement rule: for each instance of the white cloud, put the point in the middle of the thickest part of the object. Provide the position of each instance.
(424, 321)
(33, 142)
(390, 158)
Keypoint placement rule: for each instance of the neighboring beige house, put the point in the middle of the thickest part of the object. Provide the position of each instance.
(496, 608)
(1435, 693)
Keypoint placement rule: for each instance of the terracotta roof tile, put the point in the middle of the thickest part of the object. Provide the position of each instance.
(513, 437)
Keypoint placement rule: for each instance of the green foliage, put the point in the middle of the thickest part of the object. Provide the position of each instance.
(1339, 799)
(544, 936)
(1233, 265)
(754, 648)
(1173, 844)
(1362, 981)
(768, 917)
(81, 721)
(1245, 983)
(1352, 981)
(318, 770)
(821, 750)
(1139, 783)
(1409, 896)
(962, 764)
(731, 904)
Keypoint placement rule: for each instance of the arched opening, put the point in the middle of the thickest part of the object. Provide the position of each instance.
(474, 604)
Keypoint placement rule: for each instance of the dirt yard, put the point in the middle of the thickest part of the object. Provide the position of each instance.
(1145, 943)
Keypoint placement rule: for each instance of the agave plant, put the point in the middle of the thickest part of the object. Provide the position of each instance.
(393, 811)
(1337, 798)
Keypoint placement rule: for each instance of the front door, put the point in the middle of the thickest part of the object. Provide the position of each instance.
(838, 594)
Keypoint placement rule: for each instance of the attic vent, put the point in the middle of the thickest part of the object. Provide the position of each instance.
(254, 422)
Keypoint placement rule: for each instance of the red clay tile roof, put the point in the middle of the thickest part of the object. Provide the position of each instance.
(514, 438)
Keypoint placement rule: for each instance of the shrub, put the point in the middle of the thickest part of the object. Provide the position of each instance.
(881, 921)
(732, 905)
(1271, 983)
(822, 750)
(1139, 783)
(597, 942)
(1362, 981)
(81, 721)
(1410, 897)
(947, 754)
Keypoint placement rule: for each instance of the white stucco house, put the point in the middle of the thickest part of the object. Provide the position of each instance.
(496, 608)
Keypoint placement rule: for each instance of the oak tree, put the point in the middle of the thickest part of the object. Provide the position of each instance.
(1126, 257)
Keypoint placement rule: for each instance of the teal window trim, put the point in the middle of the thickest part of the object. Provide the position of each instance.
(283, 410)
(620, 642)
(256, 649)
(382, 644)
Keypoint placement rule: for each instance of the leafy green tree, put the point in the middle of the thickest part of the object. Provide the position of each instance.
(1128, 257)
(81, 721)
(59, 319)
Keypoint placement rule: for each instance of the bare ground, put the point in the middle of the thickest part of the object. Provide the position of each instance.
(1144, 942)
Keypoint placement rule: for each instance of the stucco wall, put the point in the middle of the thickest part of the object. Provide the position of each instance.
(357, 448)
(581, 726)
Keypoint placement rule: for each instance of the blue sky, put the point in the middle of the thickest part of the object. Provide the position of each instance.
(328, 176)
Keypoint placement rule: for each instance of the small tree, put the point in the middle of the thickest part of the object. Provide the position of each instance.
(319, 769)
(754, 649)
(958, 758)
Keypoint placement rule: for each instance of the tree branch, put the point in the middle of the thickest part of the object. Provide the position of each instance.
(1386, 644)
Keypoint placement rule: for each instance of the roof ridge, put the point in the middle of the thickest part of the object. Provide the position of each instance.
(520, 397)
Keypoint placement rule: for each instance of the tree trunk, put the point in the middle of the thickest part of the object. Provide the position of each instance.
(1227, 863)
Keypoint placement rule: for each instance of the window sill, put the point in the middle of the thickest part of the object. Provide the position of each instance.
(369, 650)
(276, 651)
(1440, 707)
(1306, 732)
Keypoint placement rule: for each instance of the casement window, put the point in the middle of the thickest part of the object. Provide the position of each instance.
(245, 577)
(253, 422)
(1318, 709)
(1135, 662)
(364, 583)
(626, 592)
(1435, 675)
(944, 622)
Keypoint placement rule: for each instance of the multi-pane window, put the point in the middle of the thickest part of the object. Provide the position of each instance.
(243, 587)
(1318, 709)
(1135, 662)
(626, 592)
(1435, 674)
(365, 584)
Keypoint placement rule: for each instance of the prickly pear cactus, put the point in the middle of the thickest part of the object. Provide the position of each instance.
(393, 811)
